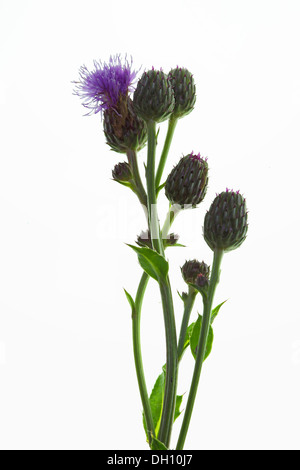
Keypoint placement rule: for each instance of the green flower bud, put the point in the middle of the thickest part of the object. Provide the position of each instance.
(122, 173)
(184, 91)
(194, 272)
(225, 224)
(187, 182)
(153, 98)
(123, 129)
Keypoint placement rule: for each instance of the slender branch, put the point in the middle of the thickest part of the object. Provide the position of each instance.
(172, 213)
(188, 306)
(167, 418)
(166, 296)
(140, 191)
(136, 321)
(218, 254)
(165, 151)
(151, 189)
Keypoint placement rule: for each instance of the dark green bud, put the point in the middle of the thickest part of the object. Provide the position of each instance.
(187, 182)
(194, 272)
(123, 129)
(225, 224)
(184, 91)
(122, 173)
(144, 239)
(153, 98)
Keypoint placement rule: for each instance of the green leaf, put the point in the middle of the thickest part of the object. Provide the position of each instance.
(188, 335)
(194, 339)
(215, 311)
(130, 300)
(177, 406)
(156, 402)
(157, 445)
(152, 262)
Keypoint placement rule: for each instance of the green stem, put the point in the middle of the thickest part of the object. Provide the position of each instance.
(140, 191)
(151, 189)
(165, 151)
(166, 296)
(188, 307)
(218, 254)
(136, 321)
(172, 213)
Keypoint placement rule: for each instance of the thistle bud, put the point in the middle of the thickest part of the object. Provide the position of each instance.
(123, 129)
(154, 97)
(122, 173)
(194, 272)
(225, 224)
(144, 239)
(184, 91)
(187, 182)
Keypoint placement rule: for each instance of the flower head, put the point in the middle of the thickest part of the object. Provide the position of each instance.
(101, 88)
(226, 222)
(187, 183)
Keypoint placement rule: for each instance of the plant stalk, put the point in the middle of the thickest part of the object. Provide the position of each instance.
(188, 306)
(140, 191)
(136, 322)
(166, 296)
(214, 279)
(171, 129)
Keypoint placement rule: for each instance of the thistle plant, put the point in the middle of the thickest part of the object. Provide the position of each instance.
(130, 110)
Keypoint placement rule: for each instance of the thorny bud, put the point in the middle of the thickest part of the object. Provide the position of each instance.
(184, 91)
(225, 224)
(187, 182)
(153, 98)
(122, 172)
(144, 239)
(123, 129)
(194, 272)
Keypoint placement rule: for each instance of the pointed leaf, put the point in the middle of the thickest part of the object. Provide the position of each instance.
(152, 262)
(195, 337)
(130, 299)
(188, 335)
(157, 445)
(177, 406)
(215, 311)
(156, 401)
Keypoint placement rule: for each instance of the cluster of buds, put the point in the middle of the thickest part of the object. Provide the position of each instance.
(129, 113)
(158, 96)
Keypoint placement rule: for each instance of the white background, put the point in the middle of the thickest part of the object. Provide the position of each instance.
(67, 378)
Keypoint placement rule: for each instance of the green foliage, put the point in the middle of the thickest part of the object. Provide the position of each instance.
(156, 402)
(152, 263)
(195, 337)
(157, 445)
(215, 311)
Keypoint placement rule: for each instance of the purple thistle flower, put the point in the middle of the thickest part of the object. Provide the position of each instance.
(101, 88)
